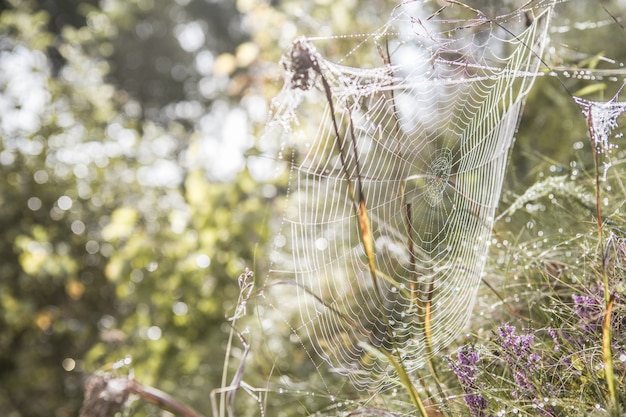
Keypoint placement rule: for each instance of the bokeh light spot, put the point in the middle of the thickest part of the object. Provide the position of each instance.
(154, 333)
(203, 261)
(64, 202)
(68, 364)
(78, 227)
(92, 247)
(179, 308)
(34, 203)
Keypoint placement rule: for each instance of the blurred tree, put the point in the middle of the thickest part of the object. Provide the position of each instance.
(131, 196)
(53, 288)
(114, 244)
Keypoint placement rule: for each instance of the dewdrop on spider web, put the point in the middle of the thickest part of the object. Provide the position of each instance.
(602, 120)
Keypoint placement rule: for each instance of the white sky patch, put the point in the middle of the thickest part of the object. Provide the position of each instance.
(23, 91)
(190, 36)
(224, 160)
(265, 167)
(162, 173)
(204, 62)
(225, 137)
(256, 107)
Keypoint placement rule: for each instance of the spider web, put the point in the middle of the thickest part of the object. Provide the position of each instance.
(602, 119)
(410, 158)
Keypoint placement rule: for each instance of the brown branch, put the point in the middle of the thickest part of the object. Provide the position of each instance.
(107, 394)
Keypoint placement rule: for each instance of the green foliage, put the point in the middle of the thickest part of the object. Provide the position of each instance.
(97, 265)
(51, 280)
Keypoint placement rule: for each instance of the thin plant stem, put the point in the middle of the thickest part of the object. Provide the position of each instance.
(607, 357)
(408, 384)
(227, 392)
(594, 152)
(222, 409)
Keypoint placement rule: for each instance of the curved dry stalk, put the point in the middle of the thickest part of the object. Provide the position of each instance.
(607, 358)
(107, 394)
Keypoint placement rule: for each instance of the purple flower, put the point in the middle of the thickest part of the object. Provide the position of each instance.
(519, 357)
(477, 404)
(468, 356)
(466, 369)
(589, 310)
(519, 346)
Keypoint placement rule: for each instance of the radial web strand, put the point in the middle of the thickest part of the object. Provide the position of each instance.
(410, 158)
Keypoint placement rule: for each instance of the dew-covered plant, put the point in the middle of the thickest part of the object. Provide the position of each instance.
(564, 350)
(466, 368)
(546, 371)
(555, 362)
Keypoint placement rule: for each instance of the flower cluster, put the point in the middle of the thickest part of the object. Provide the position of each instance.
(589, 309)
(519, 356)
(467, 371)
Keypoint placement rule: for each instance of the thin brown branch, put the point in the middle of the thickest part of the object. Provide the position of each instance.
(107, 394)
(162, 400)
